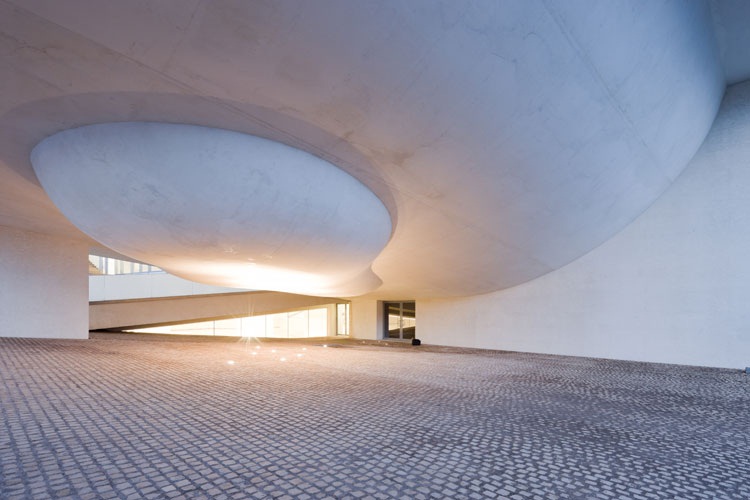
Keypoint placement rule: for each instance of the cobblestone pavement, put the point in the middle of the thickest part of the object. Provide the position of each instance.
(143, 417)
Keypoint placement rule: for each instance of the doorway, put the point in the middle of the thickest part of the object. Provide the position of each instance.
(400, 320)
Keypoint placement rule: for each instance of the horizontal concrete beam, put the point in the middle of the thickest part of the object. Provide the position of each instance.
(110, 287)
(139, 313)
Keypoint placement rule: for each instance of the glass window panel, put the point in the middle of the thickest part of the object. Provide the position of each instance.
(277, 325)
(400, 320)
(393, 315)
(201, 328)
(254, 326)
(318, 323)
(298, 324)
(116, 266)
(409, 320)
(342, 319)
(227, 327)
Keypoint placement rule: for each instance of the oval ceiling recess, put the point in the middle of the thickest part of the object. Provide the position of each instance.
(216, 206)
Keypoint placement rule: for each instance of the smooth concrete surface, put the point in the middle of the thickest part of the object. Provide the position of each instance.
(149, 312)
(367, 319)
(216, 206)
(43, 285)
(673, 287)
(146, 286)
(139, 417)
(506, 139)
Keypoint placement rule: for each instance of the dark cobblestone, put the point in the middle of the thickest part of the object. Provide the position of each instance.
(146, 417)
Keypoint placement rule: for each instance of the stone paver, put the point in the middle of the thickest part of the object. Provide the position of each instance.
(135, 416)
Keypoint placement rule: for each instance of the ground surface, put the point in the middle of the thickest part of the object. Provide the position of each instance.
(146, 417)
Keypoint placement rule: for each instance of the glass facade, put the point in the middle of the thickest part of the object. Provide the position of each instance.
(342, 319)
(293, 324)
(108, 265)
(400, 320)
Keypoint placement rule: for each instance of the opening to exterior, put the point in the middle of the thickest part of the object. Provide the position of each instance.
(99, 265)
(400, 320)
(342, 319)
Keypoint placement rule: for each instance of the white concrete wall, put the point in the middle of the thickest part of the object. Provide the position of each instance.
(148, 285)
(672, 287)
(43, 286)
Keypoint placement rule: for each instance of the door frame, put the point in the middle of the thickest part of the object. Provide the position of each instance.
(386, 330)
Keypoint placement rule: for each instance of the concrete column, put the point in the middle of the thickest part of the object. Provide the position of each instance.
(367, 319)
(43, 286)
(331, 309)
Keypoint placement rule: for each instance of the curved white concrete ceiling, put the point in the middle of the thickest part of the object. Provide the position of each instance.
(216, 206)
(506, 139)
